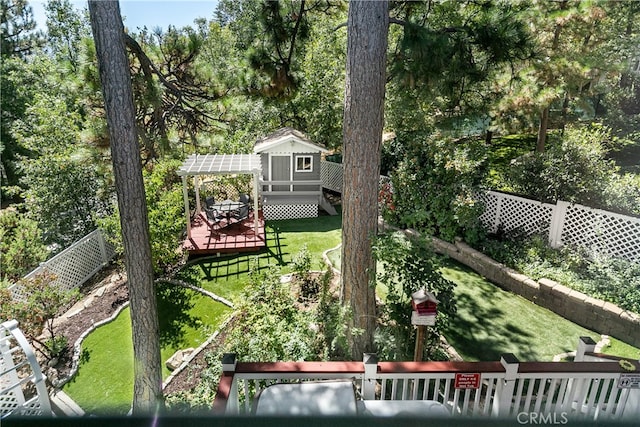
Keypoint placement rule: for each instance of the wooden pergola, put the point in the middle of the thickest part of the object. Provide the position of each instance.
(197, 165)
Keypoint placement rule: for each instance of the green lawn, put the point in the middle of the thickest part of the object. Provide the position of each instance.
(104, 382)
(492, 321)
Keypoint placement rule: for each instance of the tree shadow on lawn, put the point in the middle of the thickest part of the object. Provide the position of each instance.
(484, 334)
(487, 324)
(174, 304)
(234, 265)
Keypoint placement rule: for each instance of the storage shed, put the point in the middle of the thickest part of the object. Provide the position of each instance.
(291, 183)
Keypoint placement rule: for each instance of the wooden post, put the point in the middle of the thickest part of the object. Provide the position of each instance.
(422, 331)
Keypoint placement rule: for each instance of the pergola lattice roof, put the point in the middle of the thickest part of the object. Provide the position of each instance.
(218, 164)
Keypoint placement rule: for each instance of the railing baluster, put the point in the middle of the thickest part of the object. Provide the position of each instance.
(247, 398)
(622, 401)
(527, 400)
(592, 394)
(476, 401)
(489, 396)
(515, 406)
(604, 391)
(561, 395)
(405, 388)
(436, 390)
(550, 395)
(611, 402)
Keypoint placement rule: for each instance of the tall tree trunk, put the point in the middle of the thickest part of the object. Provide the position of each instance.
(542, 130)
(367, 27)
(544, 116)
(113, 64)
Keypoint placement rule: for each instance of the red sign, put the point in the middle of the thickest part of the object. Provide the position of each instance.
(467, 381)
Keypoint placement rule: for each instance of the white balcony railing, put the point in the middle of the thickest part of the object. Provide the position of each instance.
(507, 389)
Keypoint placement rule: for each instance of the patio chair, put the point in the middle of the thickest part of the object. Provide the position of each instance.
(209, 201)
(244, 198)
(212, 217)
(241, 214)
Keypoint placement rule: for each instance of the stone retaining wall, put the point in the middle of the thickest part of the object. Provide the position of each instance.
(600, 316)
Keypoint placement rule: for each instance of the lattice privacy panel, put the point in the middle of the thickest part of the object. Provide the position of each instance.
(277, 212)
(331, 175)
(225, 187)
(602, 232)
(516, 213)
(20, 375)
(75, 265)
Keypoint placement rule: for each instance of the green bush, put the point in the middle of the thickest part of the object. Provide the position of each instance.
(407, 266)
(21, 247)
(268, 326)
(165, 206)
(434, 187)
(575, 168)
(604, 277)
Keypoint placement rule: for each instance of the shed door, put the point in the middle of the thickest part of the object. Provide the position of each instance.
(281, 171)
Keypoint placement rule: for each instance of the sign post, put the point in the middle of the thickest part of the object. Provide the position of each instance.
(424, 309)
(420, 336)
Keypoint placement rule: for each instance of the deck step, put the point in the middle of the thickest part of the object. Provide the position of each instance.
(328, 207)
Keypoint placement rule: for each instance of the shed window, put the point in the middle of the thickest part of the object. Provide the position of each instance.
(304, 163)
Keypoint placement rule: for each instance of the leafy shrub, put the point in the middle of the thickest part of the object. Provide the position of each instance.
(407, 266)
(21, 247)
(43, 303)
(576, 169)
(622, 194)
(611, 279)
(269, 326)
(434, 187)
(165, 206)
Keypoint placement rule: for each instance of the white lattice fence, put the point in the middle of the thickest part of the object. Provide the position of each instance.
(225, 187)
(601, 231)
(513, 213)
(331, 175)
(75, 265)
(565, 224)
(278, 212)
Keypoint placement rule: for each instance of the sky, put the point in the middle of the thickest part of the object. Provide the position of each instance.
(152, 13)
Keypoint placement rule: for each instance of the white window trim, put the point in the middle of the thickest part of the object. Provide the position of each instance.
(303, 170)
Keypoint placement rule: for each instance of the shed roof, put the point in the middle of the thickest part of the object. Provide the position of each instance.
(220, 164)
(283, 135)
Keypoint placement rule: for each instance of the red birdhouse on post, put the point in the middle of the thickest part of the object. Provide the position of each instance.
(425, 308)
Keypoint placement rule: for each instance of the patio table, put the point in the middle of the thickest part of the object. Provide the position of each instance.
(227, 206)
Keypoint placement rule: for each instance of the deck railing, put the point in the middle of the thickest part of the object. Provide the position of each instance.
(558, 391)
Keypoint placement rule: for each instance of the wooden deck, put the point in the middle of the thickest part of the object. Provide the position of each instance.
(236, 238)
